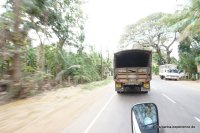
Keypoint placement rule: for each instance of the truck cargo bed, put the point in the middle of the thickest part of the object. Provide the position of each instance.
(133, 74)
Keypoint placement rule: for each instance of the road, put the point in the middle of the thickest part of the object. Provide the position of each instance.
(178, 105)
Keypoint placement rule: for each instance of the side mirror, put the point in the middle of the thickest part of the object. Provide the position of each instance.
(144, 118)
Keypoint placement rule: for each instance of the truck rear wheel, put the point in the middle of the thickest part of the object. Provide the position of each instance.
(118, 92)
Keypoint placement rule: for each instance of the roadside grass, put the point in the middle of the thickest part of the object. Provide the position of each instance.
(93, 85)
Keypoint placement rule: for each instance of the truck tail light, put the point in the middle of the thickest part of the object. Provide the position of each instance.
(118, 85)
(146, 85)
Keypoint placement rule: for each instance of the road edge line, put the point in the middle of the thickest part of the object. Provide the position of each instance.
(196, 118)
(168, 98)
(99, 113)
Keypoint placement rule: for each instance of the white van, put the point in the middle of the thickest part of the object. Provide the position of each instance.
(168, 71)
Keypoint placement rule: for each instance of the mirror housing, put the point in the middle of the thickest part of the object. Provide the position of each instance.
(144, 118)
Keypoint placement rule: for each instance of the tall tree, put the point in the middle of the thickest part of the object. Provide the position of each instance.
(187, 23)
(67, 22)
(187, 56)
(37, 13)
(151, 32)
(15, 36)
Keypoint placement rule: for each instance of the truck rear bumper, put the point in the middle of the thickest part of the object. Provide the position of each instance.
(132, 90)
(142, 87)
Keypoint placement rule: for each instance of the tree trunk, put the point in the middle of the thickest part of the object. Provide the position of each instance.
(16, 58)
(41, 58)
(15, 72)
(161, 60)
(15, 69)
(60, 46)
(40, 55)
(168, 57)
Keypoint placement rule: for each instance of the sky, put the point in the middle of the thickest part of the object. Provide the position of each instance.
(108, 18)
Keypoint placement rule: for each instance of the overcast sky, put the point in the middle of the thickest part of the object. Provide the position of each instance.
(108, 18)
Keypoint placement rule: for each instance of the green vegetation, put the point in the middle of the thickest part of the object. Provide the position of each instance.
(158, 32)
(188, 27)
(197, 60)
(58, 56)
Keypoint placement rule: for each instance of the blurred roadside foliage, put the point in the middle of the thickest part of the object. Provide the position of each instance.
(187, 22)
(41, 40)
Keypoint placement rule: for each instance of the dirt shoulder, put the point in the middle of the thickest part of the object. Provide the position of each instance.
(190, 83)
(195, 84)
(50, 112)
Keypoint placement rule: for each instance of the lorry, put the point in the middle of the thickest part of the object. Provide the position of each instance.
(132, 70)
(169, 71)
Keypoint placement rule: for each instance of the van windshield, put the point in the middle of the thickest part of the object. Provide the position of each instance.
(172, 71)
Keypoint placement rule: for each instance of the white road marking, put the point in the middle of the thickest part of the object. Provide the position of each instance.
(99, 113)
(168, 98)
(197, 119)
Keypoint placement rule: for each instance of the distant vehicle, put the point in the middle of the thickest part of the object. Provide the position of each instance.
(169, 71)
(132, 70)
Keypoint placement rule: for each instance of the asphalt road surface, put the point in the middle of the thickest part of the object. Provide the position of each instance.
(178, 105)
